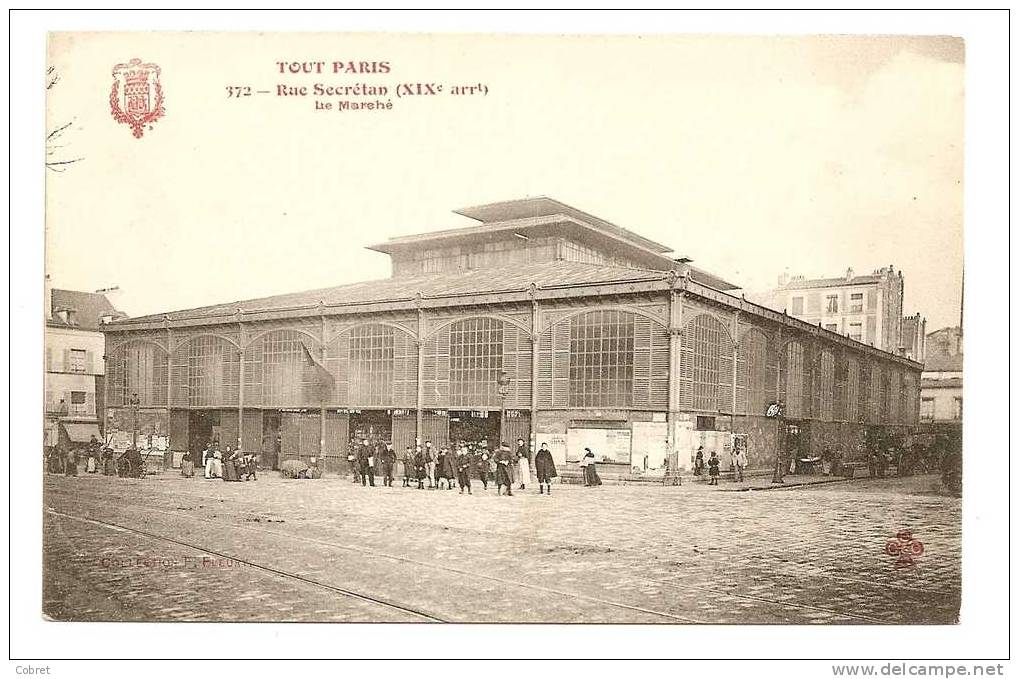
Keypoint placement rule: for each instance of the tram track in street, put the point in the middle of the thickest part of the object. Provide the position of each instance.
(383, 555)
(806, 570)
(415, 613)
(781, 605)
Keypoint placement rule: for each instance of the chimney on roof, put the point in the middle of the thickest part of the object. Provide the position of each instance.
(112, 294)
(48, 309)
(783, 279)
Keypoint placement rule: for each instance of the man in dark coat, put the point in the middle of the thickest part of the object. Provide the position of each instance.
(420, 470)
(483, 463)
(366, 463)
(430, 464)
(544, 468)
(503, 477)
(449, 467)
(463, 469)
(409, 473)
(352, 459)
(388, 462)
(440, 469)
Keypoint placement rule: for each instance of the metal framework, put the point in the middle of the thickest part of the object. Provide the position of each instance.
(601, 359)
(372, 364)
(475, 361)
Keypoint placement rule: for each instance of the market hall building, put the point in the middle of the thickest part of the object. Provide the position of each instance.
(541, 322)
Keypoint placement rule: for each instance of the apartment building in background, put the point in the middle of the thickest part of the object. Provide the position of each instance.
(865, 308)
(941, 381)
(75, 347)
(914, 338)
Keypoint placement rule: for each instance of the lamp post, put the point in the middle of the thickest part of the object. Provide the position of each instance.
(776, 410)
(504, 385)
(133, 402)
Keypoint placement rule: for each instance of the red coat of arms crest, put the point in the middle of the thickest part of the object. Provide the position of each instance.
(136, 98)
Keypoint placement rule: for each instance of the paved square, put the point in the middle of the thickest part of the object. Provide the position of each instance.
(170, 548)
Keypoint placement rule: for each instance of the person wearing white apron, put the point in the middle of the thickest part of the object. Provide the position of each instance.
(523, 464)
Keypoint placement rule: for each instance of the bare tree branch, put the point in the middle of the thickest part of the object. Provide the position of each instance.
(52, 135)
(52, 78)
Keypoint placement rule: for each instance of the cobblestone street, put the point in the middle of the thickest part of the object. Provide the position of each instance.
(170, 548)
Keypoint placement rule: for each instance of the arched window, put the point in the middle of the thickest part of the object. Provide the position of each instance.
(706, 366)
(374, 365)
(852, 390)
(894, 395)
(206, 373)
(601, 359)
(865, 404)
(760, 387)
(878, 407)
(137, 367)
(794, 379)
(475, 361)
(825, 387)
(371, 363)
(282, 369)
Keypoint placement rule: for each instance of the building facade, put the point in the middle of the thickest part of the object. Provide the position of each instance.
(75, 346)
(914, 338)
(543, 323)
(867, 309)
(941, 385)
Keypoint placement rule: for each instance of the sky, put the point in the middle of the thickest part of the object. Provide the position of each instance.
(753, 156)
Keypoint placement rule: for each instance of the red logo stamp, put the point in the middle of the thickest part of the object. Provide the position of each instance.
(136, 98)
(905, 547)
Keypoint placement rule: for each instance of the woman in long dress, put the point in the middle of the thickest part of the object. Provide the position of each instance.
(187, 464)
(523, 464)
(232, 458)
(591, 477)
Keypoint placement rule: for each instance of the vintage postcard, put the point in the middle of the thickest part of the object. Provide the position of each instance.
(401, 328)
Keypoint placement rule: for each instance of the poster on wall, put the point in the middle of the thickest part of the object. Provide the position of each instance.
(650, 445)
(556, 444)
(608, 445)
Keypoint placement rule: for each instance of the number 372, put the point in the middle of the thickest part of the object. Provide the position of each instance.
(233, 91)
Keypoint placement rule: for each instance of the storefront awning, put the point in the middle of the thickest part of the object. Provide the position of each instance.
(81, 432)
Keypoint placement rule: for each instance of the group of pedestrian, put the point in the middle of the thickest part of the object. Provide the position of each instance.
(365, 457)
(228, 465)
(449, 467)
(98, 458)
(737, 464)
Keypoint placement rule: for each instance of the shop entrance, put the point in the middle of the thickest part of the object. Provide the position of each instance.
(271, 439)
(203, 428)
(797, 443)
(474, 426)
(374, 425)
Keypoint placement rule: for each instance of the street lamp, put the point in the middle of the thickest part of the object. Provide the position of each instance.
(504, 385)
(777, 411)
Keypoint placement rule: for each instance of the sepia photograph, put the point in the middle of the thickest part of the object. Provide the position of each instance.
(649, 329)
